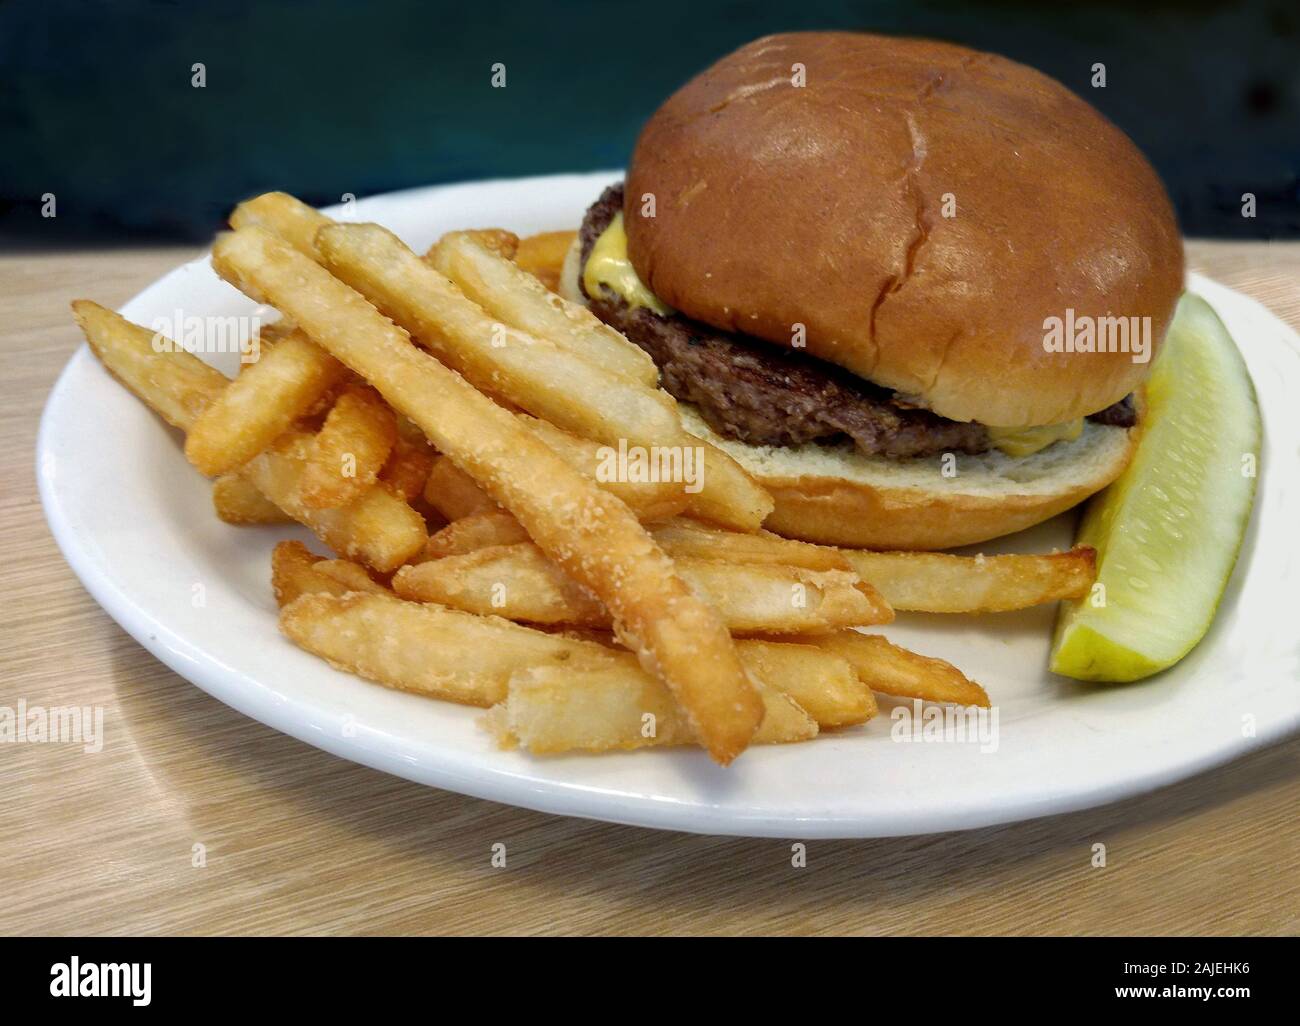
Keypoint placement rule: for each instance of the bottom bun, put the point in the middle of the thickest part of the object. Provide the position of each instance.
(837, 496)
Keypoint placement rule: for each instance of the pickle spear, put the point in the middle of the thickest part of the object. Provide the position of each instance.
(1168, 531)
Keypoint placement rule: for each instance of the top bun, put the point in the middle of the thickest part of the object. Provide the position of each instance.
(920, 208)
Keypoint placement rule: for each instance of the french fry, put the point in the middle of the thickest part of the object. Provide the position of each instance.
(267, 337)
(651, 500)
(351, 575)
(594, 537)
(520, 583)
(679, 537)
(296, 570)
(543, 255)
(888, 669)
(917, 581)
(510, 293)
(293, 573)
(261, 404)
(351, 449)
(443, 653)
(378, 528)
(282, 215)
(502, 243)
(934, 582)
(180, 386)
(552, 709)
(448, 654)
(175, 384)
(483, 530)
(536, 374)
(772, 599)
(821, 683)
(453, 493)
(730, 497)
(408, 466)
(516, 581)
(683, 537)
(236, 501)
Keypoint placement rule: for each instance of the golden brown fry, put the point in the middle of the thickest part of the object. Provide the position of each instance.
(261, 404)
(592, 535)
(504, 244)
(296, 570)
(935, 582)
(348, 633)
(478, 531)
(543, 255)
(771, 599)
(353, 575)
(889, 669)
(282, 215)
(520, 583)
(238, 502)
(267, 337)
(651, 500)
(453, 493)
(536, 374)
(821, 683)
(443, 653)
(293, 573)
(408, 466)
(519, 300)
(378, 528)
(683, 537)
(922, 581)
(175, 384)
(730, 497)
(516, 581)
(553, 709)
(679, 537)
(351, 449)
(457, 656)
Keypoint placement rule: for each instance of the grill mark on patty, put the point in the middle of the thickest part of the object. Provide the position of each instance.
(764, 395)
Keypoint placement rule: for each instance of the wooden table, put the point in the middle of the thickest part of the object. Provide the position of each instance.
(298, 841)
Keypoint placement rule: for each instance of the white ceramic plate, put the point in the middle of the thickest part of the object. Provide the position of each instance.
(136, 524)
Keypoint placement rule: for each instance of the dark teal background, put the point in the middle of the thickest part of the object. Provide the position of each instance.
(325, 98)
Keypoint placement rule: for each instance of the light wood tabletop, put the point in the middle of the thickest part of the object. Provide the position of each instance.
(297, 841)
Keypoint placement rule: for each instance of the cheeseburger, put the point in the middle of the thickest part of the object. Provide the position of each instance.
(914, 289)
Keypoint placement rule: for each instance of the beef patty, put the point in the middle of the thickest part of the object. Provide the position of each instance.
(759, 393)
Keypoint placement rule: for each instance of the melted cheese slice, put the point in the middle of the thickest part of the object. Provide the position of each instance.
(1026, 441)
(609, 265)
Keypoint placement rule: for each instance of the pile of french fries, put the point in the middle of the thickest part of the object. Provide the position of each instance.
(437, 422)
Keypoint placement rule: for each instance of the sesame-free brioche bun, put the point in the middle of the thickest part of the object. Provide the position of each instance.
(919, 208)
(837, 496)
